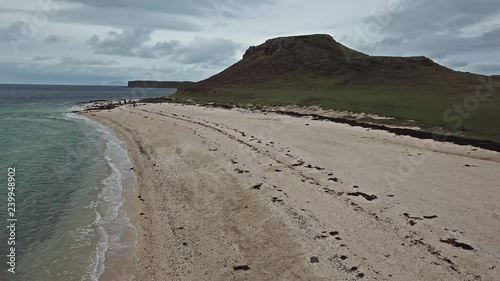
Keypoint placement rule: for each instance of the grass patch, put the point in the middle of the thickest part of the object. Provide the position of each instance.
(425, 104)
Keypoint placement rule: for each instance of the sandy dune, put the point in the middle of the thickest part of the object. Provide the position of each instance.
(236, 195)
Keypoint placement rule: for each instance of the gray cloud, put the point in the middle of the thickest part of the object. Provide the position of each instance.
(157, 50)
(17, 30)
(156, 14)
(121, 44)
(454, 63)
(56, 39)
(77, 61)
(41, 58)
(191, 8)
(441, 30)
(137, 43)
(215, 51)
(434, 27)
(126, 18)
(486, 67)
(198, 38)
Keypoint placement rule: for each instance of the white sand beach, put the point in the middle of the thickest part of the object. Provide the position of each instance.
(239, 195)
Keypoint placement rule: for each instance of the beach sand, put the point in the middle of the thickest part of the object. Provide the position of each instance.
(239, 195)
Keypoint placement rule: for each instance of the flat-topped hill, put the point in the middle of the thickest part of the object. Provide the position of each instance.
(319, 60)
(317, 70)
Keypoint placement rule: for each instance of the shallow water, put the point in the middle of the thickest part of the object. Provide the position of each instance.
(73, 182)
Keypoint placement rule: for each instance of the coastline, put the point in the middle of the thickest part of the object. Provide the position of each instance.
(113, 208)
(204, 215)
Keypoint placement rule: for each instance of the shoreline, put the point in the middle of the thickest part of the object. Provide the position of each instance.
(113, 259)
(185, 158)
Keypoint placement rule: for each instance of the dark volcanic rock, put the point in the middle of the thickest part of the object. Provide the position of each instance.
(454, 242)
(364, 195)
(257, 186)
(241, 267)
(314, 260)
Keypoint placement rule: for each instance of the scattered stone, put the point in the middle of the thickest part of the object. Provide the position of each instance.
(141, 214)
(241, 267)
(412, 222)
(184, 244)
(132, 168)
(335, 179)
(278, 170)
(355, 186)
(275, 199)
(343, 257)
(454, 242)
(314, 260)
(257, 186)
(390, 195)
(410, 217)
(364, 195)
(361, 275)
(307, 124)
(333, 233)
(239, 171)
(430, 217)
(354, 268)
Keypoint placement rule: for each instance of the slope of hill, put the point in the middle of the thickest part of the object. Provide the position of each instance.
(318, 60)
(158, 84)
(317, 70)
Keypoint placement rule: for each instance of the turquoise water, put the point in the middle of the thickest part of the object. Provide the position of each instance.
(73, 180)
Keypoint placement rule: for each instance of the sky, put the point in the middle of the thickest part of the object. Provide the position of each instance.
(100, 41)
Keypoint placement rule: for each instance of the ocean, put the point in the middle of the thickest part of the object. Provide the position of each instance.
(73, 186)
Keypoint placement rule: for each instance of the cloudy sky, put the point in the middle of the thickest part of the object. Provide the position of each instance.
(98, 41)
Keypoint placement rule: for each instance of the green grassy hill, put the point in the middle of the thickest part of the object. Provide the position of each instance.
(317, 70)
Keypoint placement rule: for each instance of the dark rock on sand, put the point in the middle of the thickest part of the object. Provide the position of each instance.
(241, 267)
(364, 195)
(454, 242)
(257, 186)
(314, 260)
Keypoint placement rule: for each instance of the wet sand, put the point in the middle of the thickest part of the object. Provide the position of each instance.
(238, 195)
